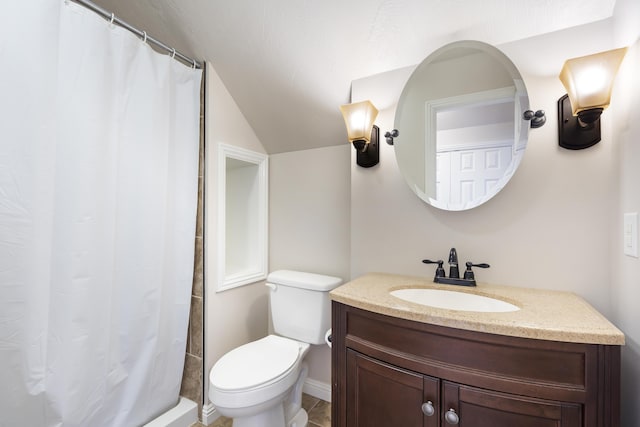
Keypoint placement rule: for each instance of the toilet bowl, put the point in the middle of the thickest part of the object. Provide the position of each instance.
(259, 384)
(255, 384)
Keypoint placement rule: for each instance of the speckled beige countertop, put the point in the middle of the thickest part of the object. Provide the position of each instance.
(544, 314)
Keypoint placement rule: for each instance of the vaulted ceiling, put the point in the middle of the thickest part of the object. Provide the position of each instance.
(289, 63)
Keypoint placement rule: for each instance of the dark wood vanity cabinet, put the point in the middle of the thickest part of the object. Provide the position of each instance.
(379, 394)
(395, 372)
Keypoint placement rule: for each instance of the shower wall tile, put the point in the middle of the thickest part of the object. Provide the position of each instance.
(196, 327)
(193, 374)
(191, 387)
(188, 347)
(201, 163)
(200, 214)
(198, 268)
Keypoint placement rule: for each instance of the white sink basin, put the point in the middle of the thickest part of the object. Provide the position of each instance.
(452, 300)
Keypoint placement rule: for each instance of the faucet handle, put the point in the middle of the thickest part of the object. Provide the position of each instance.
(439, 270)
(483, 265)
(468, 273)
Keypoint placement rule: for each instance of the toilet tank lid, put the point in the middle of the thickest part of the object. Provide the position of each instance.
(299, 279)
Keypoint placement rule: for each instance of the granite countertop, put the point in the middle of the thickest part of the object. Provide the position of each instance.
(544, 314)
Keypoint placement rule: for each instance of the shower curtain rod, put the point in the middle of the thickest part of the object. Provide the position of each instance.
(142, 34)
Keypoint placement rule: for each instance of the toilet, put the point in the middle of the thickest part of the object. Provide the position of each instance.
(259, 384)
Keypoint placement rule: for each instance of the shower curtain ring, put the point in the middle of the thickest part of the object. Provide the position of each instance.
(113, 17)
(144, 37)
(173, 53)
(194, 64)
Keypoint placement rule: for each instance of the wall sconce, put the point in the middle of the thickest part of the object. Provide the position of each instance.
(588, 80)
(362, 133)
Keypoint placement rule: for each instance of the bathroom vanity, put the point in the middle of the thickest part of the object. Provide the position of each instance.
(553, 362)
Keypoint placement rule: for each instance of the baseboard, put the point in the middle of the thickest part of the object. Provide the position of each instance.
(209, 414)
(317, 389)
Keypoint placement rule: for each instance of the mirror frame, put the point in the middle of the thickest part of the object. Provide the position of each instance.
(521, 127)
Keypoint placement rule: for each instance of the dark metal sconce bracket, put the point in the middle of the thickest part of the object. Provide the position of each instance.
(538, 119)
(368, 155)
(390, 135)
(572, 134)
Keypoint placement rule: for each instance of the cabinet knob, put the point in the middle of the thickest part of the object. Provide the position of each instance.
(428, 409)
(451, 417)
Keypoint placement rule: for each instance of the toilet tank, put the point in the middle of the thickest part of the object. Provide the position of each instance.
(300, 304)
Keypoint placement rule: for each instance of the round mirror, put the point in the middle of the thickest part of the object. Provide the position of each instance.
(462, 132)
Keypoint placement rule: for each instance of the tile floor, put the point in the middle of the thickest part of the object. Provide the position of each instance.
(319, 414)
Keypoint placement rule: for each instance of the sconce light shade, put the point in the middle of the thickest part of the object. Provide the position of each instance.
(588, 81)
(361, 131)
(359, 118)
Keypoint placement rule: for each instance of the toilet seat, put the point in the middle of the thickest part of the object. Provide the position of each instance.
(255, 372)
(254, 364)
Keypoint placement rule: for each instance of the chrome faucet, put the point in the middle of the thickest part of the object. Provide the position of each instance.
(454, 273)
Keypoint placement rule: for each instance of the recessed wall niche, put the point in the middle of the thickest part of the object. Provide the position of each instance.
(242, 216)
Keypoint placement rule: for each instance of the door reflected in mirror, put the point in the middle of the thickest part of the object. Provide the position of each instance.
(462, 134)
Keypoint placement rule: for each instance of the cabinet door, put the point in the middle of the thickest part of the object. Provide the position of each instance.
(381, 395)
(483, 408)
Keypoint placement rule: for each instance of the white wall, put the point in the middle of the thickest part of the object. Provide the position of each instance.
(309, 222)
(625, 270)
(240, 315)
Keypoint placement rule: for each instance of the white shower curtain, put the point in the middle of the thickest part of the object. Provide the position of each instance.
(98, 192)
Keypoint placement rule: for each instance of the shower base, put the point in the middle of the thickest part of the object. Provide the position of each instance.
(184, 414)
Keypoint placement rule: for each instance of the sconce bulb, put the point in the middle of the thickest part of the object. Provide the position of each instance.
(592, 80)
